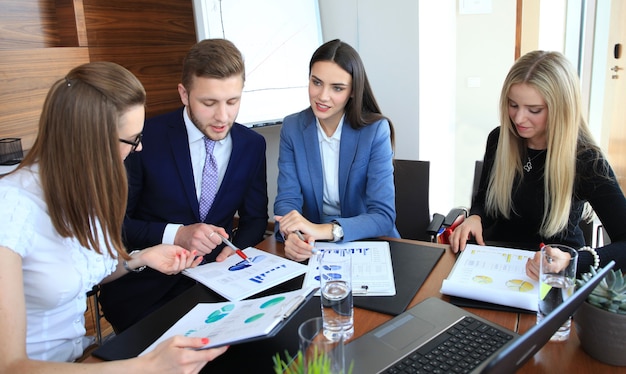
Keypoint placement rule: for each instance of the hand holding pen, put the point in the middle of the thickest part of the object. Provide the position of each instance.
(301, 237)
(234, 247)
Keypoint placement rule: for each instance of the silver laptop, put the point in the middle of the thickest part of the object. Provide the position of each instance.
(443, 336)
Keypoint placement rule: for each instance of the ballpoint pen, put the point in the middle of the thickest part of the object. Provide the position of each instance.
(237, 250)
(301, 237)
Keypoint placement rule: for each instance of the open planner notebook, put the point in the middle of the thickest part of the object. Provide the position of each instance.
(372, 270)
(236, 279)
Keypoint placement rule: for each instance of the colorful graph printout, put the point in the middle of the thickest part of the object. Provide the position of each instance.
(493, 274)
(236, 279)
(372, 270)
(233, 321)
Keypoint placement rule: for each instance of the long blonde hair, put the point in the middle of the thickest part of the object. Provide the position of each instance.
(551, 74)
(77, 149)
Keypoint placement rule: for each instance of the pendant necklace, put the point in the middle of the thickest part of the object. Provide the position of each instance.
(529, 165)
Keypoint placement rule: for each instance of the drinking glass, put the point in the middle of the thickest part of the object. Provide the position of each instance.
(320, 354)
(557, 281)
(336, 293)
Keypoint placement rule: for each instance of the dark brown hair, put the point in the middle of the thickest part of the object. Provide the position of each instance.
(362, 109)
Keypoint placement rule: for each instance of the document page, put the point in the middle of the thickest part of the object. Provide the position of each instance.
(493, 274)
(372, 270)
(236, 279)
(230, 322)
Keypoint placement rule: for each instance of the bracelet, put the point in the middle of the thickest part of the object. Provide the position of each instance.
(596, 258)
(125, 264)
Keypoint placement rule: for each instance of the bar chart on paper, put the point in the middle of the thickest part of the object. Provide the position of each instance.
(372, 270)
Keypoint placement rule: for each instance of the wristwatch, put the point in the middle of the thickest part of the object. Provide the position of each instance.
(337, 231)
(125, 263)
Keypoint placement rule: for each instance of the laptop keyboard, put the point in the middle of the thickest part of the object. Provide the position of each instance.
(459, 349)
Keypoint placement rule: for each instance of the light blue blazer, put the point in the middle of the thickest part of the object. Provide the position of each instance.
(366, 187)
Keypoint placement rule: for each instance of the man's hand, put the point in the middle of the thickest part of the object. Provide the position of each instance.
(200, 237)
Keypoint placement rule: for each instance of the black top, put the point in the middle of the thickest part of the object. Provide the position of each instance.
(595, 182)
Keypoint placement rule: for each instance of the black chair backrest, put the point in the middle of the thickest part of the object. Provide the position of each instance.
(412, 198)
(478, 169)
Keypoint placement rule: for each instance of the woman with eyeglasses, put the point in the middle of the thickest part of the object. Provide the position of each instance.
(61, 215)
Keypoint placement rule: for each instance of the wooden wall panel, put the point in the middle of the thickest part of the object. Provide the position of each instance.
(41, 40)
(28, 24)
(139, 22)
(148, 37)
(158, 69)
(26, 77)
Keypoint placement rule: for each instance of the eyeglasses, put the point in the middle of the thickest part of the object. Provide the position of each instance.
(134, 143)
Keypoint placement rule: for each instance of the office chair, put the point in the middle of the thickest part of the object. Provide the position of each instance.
(412, 183)
(411, 180)
(97, 313)
(456, 216)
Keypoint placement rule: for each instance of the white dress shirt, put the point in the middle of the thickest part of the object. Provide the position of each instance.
(329, 152)
(222, 151)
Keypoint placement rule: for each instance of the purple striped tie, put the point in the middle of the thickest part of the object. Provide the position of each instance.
(209, 179)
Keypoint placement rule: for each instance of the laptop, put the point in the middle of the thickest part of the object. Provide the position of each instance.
(438, 334)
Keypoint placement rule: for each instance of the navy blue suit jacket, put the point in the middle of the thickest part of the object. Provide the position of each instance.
(161, 191)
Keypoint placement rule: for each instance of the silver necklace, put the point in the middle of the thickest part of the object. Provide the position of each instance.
(529, 165)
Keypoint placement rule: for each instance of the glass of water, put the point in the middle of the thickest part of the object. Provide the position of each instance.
(557, 281)
(336, 293)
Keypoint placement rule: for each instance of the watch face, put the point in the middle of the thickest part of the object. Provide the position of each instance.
(337, 232)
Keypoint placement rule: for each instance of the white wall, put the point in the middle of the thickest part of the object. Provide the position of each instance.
(485, 52)
(418, 56)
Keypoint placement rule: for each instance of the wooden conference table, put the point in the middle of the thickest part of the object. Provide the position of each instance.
(565, 356)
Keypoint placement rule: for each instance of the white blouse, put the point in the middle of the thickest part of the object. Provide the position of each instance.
(329, 153)
(57, 271)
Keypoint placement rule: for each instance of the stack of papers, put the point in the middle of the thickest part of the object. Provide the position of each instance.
(236, 279)
(372, 270)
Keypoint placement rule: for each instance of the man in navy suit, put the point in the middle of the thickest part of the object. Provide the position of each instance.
(165, 181)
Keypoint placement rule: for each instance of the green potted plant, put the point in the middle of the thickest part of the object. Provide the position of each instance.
(321, 364)
(601, 320)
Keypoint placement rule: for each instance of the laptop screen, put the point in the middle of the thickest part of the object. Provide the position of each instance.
(522, 349)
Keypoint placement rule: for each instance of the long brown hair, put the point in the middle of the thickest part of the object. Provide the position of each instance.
(77, 148)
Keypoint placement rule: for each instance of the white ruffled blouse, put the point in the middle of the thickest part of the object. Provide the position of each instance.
(57, 271)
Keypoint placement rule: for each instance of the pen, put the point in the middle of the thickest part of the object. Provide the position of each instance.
(301, 237)
(299, 234)
(237, 250)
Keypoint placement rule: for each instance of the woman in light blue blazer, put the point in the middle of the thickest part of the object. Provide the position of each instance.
(335, 179)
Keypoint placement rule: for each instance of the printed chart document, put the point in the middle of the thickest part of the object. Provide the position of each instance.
(236, 321)
(493, 274)
(236, 279)
(372, 270)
